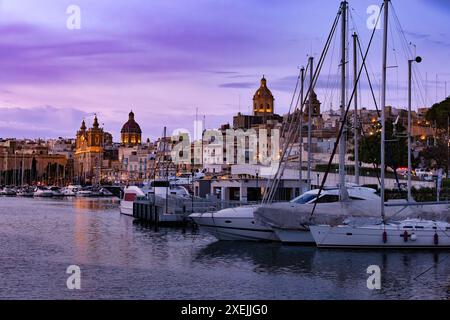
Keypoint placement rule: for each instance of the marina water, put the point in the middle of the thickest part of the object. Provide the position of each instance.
(121, 259)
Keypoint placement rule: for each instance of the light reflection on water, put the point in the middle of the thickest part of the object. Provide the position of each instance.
(119, 259)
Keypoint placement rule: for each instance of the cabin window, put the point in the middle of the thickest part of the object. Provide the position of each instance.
(304, 198)
(356, 198)
(328, 198)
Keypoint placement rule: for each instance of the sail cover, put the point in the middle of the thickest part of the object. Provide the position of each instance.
(288, 215)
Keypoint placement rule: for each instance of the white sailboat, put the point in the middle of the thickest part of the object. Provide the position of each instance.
(411, 234)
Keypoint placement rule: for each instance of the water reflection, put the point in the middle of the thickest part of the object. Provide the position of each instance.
(266, 257)
(39, 238)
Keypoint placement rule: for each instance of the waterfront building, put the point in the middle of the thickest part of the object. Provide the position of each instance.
(28, 162)
(89, 153)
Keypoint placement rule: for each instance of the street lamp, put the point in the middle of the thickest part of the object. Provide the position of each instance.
(410, 62)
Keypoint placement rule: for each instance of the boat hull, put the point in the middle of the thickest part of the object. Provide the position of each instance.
(290, 236)
(233, 229)
(351, 237)
(126, 208)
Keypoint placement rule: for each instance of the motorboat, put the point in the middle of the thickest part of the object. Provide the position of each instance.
(85, 192)
(25, 192)
(161, 189)
(56, 191)
(71, 190)
(43, 192)
(103, 192)
(129, 196)
(406, 234)
(234, 224)
(9, 192)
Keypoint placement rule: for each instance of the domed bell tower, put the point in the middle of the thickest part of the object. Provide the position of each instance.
(263, 100)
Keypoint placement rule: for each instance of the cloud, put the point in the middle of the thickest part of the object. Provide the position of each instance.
(45, 121)
(238, 85)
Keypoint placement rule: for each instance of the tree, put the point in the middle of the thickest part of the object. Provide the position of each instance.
(436, 157)
(439, 114)
(396, 146)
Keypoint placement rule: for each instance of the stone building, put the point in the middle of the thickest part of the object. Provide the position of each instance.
(88, 156)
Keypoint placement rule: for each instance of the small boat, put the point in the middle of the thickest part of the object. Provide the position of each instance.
(25, 192)
(406, 234)
(70, 191)
(56, 191)
(43, 192)
(129, 196)
(85, 192)
(9, 192)
(103, 192)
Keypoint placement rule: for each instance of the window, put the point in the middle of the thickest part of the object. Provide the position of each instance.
(328, 198)
(356, 198)
(304, 198)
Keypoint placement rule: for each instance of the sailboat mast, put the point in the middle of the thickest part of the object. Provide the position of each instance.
(311, 69)
(383, 105)
(342, 146)
(355, 116)
(300, 143)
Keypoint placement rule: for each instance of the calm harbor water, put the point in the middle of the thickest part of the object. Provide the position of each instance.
(120, 259)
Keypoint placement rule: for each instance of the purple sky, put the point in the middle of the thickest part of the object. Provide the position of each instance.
(164, 59)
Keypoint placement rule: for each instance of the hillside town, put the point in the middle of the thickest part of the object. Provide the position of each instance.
(93, 157)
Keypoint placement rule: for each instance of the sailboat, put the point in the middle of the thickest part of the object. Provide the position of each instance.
(409, 233)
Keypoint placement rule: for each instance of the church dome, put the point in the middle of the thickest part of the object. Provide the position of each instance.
(131, 126)
(263, 92)
(263, 100)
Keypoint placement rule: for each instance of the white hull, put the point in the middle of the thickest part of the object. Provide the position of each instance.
(43, 194)
(294, 236)
(233, 228)
(126, 208)
(372, 237)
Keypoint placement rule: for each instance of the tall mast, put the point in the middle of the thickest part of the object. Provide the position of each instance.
(410, 62)
(383, 104)
(355, 116)
(300, 144)
(311, 62)
(342, 147)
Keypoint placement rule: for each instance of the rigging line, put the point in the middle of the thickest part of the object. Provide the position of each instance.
(290, 106)
(395, 59)
(334, 86)
(372, 92)
(288, 144)
(368, 66)
(408, 52)
(328, 90)
(283, 130)
(341, 129)
(280, 169)
(368, 78)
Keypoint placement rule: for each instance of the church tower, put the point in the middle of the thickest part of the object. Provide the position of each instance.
(263, 101)
(315, 105)
(89, 153)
